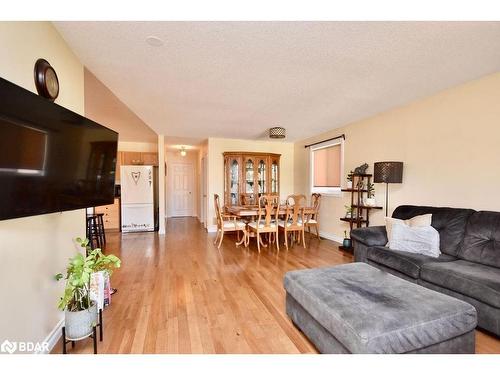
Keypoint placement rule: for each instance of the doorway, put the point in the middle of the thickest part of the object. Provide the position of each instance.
(181, 183)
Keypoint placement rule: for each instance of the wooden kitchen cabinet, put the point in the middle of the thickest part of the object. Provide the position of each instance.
(149, 158)
(131, 158)
(111, 216)
(139, 158)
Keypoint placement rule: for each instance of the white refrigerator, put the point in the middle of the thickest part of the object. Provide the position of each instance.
(138, 198)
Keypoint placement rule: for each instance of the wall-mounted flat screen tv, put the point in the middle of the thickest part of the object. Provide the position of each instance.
(51, 159)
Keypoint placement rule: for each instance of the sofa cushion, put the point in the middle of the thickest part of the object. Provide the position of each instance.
(402, 261)
(418, 240)
(370, 236)
(482, 239)
(450, 223)
(471, 279)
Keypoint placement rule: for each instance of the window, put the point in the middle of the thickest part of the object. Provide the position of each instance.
(327, 167)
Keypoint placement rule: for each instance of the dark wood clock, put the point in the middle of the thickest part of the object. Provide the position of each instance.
(46, 81)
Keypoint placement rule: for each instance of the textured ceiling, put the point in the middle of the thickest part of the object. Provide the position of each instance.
(237, 79)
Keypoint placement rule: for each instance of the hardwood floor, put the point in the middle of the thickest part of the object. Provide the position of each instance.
(180, 294)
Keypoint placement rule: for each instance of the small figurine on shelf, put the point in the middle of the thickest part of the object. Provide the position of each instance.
(361, 169)
(347, 243)
(349, 180)
(370, 200)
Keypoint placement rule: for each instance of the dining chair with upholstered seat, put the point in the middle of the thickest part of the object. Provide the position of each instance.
(267, 220)
(226, 223)
(294, 218)
(312, 219)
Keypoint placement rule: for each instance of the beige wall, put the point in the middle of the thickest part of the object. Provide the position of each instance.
(102, 106)
(34, 249)
(448, 143)
(192, 158)
(216, 146)
(138, 146)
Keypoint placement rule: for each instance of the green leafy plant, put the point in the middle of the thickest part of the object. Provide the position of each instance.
(348, 210)
(371, 189)
(76, 295)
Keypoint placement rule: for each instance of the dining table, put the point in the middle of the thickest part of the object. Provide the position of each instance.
(249, 211)
(253, 210)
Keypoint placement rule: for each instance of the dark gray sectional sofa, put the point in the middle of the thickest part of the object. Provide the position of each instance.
(468, 268)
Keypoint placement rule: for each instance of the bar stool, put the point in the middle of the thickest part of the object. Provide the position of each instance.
(95, 230)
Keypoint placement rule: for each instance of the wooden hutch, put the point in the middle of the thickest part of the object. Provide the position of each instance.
(248, 174)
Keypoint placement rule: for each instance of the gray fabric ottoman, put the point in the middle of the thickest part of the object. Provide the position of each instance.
(356, 308)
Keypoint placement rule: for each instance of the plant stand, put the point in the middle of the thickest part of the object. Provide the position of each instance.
(361, 211)
(66, 341)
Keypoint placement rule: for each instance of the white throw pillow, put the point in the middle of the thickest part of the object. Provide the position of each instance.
(416, 221)
(419, 240)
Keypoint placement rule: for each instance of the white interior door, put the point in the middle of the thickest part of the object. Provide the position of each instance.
(181, 192)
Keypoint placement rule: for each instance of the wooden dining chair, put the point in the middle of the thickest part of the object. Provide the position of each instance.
(312, 219)
(227, 223)
(267, 221)
(294, 218)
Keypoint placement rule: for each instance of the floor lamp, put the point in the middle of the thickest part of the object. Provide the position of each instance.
(388, 172)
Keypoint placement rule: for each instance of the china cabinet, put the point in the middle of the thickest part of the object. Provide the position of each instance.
(248, 174)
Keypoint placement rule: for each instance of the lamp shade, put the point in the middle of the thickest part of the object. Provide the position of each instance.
(390, 172)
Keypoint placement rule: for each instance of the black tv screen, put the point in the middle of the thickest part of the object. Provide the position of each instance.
(51, 159)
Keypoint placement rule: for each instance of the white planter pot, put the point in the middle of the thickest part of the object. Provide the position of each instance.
(370, 202)
(348, 185)
(80, 324)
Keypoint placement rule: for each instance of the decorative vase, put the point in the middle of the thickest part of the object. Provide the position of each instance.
(347, 243)
(348, 185)
(80, 324)
(370, 202)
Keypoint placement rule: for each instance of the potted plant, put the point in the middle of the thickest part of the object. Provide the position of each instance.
(347, 243)
(348, 211)
(80, 312)
(349, 180)
(370, 200)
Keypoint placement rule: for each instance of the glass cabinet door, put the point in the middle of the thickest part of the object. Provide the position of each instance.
(234, 178)
(249, 181)
(274, 177)
(261, 181)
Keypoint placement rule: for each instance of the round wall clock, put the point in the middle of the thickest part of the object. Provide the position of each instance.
(46, 81)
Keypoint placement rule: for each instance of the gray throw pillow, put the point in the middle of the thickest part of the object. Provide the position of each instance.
(419, 240)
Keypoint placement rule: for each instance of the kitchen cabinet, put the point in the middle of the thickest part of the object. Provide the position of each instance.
(139, 158)
(111, 216)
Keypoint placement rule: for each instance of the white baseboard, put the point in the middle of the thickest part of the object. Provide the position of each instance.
(53, 337)
(211, 228)
(331, 236)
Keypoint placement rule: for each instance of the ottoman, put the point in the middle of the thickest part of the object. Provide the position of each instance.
(356, 308)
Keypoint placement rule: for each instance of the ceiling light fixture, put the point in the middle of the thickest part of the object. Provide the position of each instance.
(277, 132)
(154, 41)
(183, 151)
